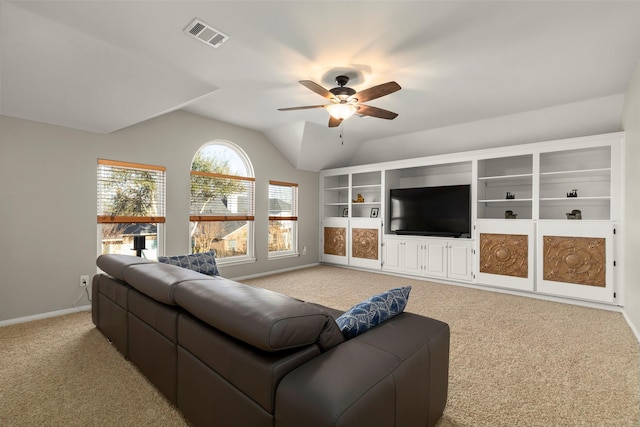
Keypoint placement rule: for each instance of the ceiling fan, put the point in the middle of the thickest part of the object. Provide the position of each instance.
(345, 101)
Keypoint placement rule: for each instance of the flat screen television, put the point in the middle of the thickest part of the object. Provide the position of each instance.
(431, 211)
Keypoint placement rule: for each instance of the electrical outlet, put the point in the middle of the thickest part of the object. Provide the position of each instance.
(304, 250)
(84, 280)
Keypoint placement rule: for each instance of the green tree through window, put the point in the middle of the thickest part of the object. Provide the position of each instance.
(131, 202)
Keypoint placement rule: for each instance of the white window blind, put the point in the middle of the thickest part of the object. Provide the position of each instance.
(283, 201)
(130, 192)
(220, 197)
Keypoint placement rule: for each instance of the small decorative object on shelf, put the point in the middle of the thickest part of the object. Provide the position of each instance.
(345, 212)
(510, 195)
(360, 199)
(510, 215)
(374, 212)
(572, 193)
(574, 214)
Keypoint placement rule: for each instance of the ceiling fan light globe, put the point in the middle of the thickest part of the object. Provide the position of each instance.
(341, 111)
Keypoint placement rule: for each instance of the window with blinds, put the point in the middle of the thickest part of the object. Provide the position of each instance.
(131, 207)
(222, 204)
(283, 218)
(219, 197)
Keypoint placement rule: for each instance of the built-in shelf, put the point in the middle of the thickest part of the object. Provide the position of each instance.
(574, 199)
(340, 194)
(509, 179)
(577, 174)
(506, 201)
(500, 176)
(367, 187)
(587, 171)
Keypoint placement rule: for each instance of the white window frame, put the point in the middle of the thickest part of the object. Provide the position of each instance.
(250, 219)
(104, 217)
(293, 217)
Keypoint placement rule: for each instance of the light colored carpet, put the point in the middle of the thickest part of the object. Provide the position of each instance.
(63, 372)
(514, 361)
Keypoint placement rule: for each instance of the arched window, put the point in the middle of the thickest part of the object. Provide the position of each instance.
(222, 205)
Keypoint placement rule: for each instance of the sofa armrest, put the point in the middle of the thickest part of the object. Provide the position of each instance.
(393, 375)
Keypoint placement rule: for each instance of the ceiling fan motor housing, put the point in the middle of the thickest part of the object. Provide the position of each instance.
(342, 92)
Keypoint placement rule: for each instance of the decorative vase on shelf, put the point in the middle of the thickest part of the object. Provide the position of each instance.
(574, 214)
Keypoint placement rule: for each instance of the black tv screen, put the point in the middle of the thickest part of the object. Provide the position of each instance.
(431, 211)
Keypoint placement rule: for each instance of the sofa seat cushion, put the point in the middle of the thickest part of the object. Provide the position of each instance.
(159, 281)
(204, 262)
(264, 319)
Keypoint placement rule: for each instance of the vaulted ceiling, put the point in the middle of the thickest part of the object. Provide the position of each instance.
(102, 66)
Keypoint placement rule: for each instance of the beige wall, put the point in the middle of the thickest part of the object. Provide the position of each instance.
(631, 125)
(48, 201)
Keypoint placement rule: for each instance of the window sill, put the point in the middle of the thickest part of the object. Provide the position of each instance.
(283, 255)
(227, 262)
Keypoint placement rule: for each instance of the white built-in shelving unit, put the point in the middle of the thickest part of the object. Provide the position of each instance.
(532, 181)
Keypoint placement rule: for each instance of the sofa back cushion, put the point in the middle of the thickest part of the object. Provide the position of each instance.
(115, 264)
(159, 281)
(264, 319)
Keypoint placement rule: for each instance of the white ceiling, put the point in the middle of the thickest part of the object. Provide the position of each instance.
(102, 66)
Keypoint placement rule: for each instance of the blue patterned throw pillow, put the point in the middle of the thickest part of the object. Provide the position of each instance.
(204, 262)
(367, 314)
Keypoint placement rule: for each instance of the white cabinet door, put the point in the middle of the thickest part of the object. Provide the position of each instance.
(365, 243)
(403, 255)
(575, 259)
(413, 256)
(436, 258)
(334, 241)
(392, 254)
(459, 256)
(505, 254)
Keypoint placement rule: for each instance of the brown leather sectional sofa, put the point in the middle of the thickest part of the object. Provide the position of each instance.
(230, 354)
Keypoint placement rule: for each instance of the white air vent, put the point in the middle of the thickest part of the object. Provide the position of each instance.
(205, 33)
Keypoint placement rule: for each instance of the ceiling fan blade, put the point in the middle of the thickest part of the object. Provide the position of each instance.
(301, 108)
(377, 91)
(367, 110)
(333, 122)
(317, 89)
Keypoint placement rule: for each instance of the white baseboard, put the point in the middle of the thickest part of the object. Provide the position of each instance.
(268, 273)
(44, 315)
(633, 328)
